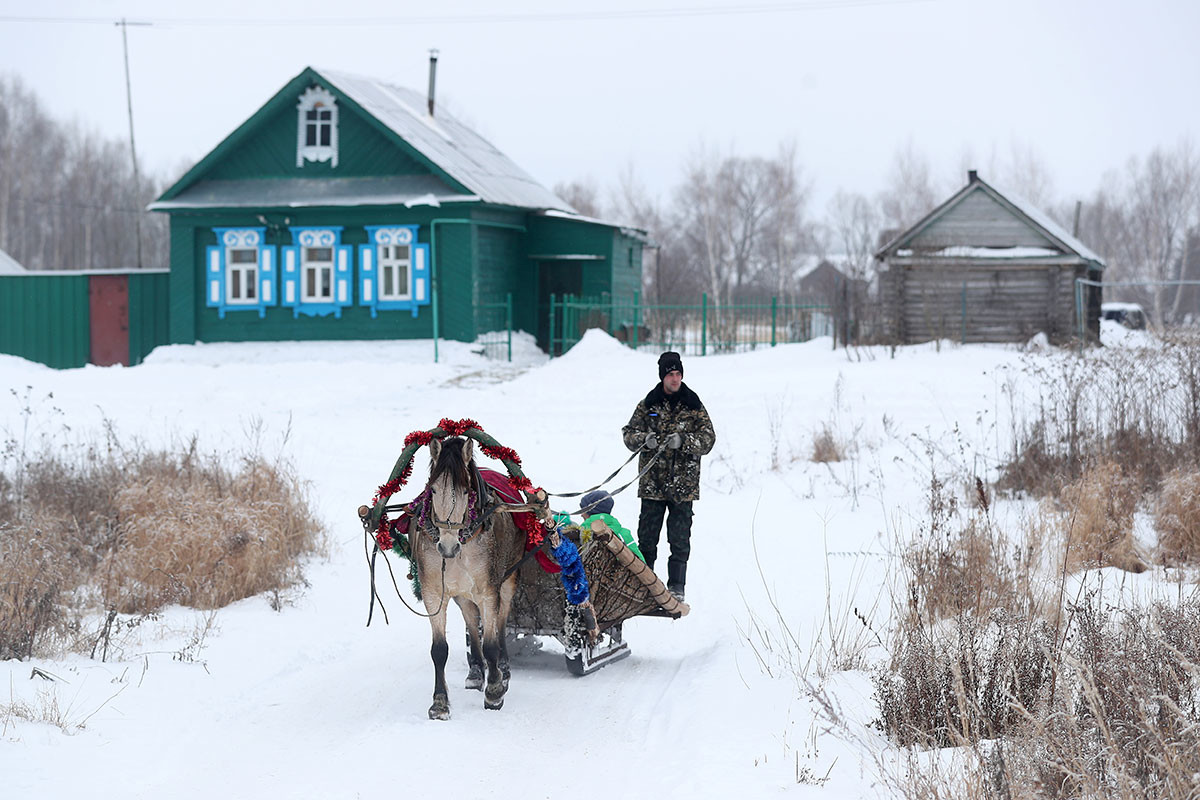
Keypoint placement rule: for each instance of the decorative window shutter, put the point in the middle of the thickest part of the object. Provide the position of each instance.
(420, 277)
(214, 279)
(344, 277)
(367, 278)
(289, 280)
(268, 275)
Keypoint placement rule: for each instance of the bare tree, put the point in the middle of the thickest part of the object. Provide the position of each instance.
(68, 198)
(1161, 213)
(854, 224)
(909, 194)
(582, 195)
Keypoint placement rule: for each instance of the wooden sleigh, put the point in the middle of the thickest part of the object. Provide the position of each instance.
(622, 587)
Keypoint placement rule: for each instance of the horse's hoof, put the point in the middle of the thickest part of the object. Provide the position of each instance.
(494, 700)
(475, 679)
(440, 709)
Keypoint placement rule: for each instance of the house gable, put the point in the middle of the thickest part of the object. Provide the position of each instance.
(264, 146)
(978, 220)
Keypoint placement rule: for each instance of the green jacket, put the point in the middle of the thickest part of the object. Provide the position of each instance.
(615, 526)
(675, 476)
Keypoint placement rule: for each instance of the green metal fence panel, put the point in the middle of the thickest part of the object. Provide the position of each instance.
(45, 318)
(149, 313)
(495, 320)
(689, 329)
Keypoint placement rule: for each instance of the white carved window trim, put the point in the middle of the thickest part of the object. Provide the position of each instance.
(242, 276)
(387, 241)
(317, 290)
(315, 100)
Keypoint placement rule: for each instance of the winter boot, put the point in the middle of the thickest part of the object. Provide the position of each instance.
(676, 578)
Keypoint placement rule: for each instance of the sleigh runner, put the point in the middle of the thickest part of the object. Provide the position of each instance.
(622, 587)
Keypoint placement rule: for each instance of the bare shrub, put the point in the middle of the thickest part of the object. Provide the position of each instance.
(965, 681)
(1097, 517)
(1116, 714)
(1177, 517)
(116, 530)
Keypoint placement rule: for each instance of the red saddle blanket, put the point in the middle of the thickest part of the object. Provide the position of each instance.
(525, 520)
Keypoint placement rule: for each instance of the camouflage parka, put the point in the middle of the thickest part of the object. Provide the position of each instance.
(676, 474)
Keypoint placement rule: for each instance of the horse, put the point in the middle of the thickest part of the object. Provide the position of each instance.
(462, 552)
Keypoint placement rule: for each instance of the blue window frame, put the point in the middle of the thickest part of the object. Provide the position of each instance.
(393, 269)
(240, 272)
(317, 270)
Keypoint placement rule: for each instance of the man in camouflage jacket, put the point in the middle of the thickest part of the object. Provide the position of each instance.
(672, 422)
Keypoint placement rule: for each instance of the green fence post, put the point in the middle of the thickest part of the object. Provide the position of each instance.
(550, 342)
(637, 316)
(704, 323)
(508, 321)
(774, 317)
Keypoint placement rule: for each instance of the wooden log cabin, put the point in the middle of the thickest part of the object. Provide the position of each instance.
(985, 266)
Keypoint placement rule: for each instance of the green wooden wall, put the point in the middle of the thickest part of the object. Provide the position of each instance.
(362, 151)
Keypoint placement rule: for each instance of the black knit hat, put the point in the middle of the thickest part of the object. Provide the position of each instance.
(668, 362)
(597, 502)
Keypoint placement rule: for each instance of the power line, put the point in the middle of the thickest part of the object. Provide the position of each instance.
(476, 19)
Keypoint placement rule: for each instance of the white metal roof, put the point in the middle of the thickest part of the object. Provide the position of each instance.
(456, 149)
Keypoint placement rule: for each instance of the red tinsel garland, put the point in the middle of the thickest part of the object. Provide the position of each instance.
(383, 535)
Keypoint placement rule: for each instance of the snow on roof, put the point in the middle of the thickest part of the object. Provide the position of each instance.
(1049, 225)
(406, 190)
(456, 149)
(9, 265)
(962, 251)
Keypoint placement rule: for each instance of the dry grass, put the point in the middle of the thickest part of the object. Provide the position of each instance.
(1177, 518)
(109, 530)
(1096, 513)
(827, 447)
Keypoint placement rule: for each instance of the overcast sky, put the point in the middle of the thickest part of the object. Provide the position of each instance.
(573, 90)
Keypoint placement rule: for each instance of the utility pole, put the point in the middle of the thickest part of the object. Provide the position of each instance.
(137, 219)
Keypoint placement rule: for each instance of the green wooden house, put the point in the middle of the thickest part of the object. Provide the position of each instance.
(346, 208)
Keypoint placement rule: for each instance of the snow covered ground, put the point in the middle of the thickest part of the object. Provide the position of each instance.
(307, 702)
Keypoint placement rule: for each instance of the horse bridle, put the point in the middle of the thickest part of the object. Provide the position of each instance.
(472, 526)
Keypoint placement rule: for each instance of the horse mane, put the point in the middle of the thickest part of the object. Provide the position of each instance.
(451, 460)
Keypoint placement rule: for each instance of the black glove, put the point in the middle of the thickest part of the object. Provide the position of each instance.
(674, 441)
(650, 442)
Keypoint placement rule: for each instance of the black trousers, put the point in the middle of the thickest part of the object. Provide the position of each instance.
(679, 536)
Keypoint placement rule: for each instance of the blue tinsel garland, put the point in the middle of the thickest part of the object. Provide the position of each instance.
(573, 578)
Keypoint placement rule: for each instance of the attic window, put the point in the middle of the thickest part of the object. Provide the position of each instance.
(317, 128)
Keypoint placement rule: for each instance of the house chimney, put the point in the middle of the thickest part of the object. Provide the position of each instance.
(433, 54)
(972, 175)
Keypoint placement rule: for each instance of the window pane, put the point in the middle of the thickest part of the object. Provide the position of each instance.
(243, 256)
(312, 113)
(402, 279)
(310, 135)
(326, 116)
(235, 285)
(318, 254)
(400, 252)
(325, 135)
(310, 276)
(326, 280)
(250, 284)
(388, 282)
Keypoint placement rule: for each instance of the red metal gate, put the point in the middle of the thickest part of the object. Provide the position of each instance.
(108, 302)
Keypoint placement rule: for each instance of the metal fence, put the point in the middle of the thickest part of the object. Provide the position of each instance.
(698, 329)
(495, 319)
